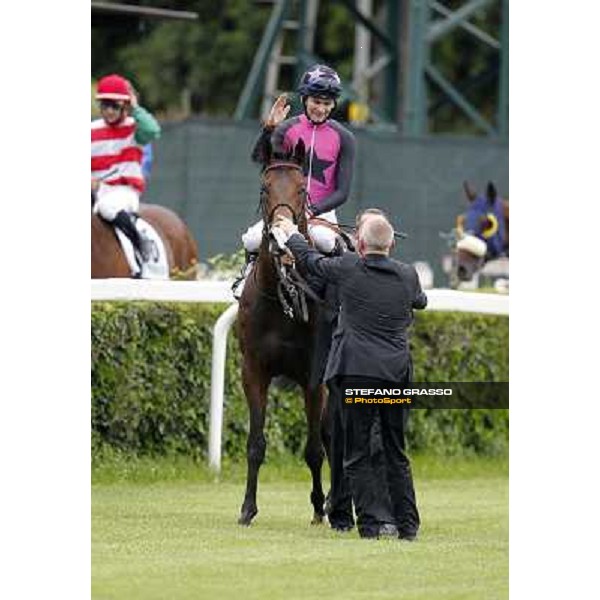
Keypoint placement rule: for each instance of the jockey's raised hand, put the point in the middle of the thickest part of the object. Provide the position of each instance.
(279, 112)
(133, 97)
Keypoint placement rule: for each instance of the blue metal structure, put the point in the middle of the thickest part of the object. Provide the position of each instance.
(420, 72)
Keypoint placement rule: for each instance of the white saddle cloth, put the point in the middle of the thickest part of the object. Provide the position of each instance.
(157, 266)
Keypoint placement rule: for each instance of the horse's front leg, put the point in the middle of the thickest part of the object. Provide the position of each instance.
(255, 387)
(313, 453)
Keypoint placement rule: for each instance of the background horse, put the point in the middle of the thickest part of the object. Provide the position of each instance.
(485, 230)
(108, 259)
(274, 344)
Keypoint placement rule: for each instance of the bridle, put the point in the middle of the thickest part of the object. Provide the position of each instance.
(267, 214)
(291, 288)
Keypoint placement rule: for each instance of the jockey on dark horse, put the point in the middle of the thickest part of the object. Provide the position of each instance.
(117, 141)
(329, 163)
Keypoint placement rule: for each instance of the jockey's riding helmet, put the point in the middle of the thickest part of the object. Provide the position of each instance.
(113, 87)
(320, 81)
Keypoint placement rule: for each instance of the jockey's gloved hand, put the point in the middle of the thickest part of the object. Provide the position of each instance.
(278, 112)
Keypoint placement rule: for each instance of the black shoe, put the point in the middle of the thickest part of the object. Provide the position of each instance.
(388, 530)
(342, 528)
(340, 523)
(368, 534)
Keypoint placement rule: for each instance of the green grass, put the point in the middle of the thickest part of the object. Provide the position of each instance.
(168, 531)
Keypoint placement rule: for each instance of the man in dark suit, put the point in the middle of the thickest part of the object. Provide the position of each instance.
(339, 499)
(370, 349)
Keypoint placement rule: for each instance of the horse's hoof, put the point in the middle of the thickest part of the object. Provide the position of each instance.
(246, 517)
(317, 519)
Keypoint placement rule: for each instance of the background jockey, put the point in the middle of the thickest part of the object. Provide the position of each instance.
(118, 138)
(329, 162)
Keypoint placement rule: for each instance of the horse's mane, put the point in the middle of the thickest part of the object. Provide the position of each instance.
(294, 155)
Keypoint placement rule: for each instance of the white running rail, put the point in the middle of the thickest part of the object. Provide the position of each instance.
(162, 290)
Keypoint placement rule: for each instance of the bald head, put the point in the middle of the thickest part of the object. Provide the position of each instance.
(367, 213)
(376, 235)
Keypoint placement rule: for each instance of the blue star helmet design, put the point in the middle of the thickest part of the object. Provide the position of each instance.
(321, 81)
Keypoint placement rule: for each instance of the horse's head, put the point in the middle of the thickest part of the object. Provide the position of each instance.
(481, 219)
(283, 193)
(283, 188)
(480, 231)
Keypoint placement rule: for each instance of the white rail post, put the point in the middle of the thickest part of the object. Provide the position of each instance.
(217, 384)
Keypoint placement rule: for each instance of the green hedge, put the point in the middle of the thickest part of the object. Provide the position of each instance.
(151, 365)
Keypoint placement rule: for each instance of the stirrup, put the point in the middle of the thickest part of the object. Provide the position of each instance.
(237, 287)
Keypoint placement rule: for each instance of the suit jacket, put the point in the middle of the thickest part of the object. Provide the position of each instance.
(377, 296)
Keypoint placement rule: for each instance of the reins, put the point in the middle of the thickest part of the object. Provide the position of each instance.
(291, 286)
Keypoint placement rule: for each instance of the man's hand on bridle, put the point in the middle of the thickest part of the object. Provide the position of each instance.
(285, 224)
(134, 102)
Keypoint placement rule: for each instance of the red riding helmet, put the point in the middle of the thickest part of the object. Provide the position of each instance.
(113, 87)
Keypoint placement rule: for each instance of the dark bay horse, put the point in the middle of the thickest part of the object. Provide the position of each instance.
(107, 255)
(272, 343)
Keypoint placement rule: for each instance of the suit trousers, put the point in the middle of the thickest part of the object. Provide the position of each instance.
(357, 422)
(340, 511)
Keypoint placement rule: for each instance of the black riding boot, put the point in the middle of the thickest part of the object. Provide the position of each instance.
(124, 221)
(339, 248)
